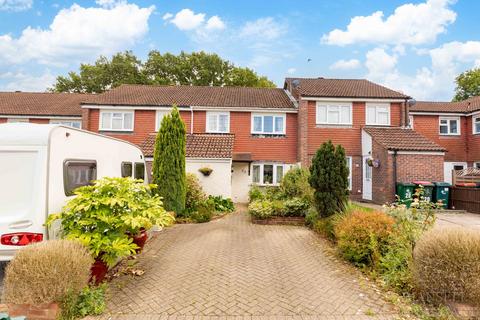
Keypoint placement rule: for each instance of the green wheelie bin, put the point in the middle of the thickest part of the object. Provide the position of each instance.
(427, 189)
(405, 191)
(441, 193)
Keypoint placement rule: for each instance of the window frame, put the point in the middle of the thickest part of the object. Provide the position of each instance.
(410, 121)
(157, 114)
(18, 120)
(134, 173)
(67, 163)
(101, 125)
(329, 105)
(274, 116)
(474, 118)
(261, 165)
(66, 122)
(370, 105)
(448, 119)
(122, 170)
(217, 114)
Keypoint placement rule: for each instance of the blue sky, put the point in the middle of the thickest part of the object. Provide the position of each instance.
(417, 47)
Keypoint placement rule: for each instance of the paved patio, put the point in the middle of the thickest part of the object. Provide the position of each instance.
(232, 269)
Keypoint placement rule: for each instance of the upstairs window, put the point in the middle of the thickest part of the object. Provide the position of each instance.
(449, 126)
(159, 115)
(267, 173)
(334, 113)
(218, 122)
(476, 124)
(68, 123)
(378, 114)
(116, 121)
(268, 123)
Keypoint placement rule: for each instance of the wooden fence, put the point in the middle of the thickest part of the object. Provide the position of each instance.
(465, 199)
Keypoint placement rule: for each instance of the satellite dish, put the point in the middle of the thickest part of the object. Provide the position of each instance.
(295, 83)
(411, 102)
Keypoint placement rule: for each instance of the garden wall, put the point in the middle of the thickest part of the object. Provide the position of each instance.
(218, 183)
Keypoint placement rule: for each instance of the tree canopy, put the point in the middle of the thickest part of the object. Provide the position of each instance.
(196, 68)
(468, 85)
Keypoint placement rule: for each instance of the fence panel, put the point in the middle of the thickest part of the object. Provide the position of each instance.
(466, 199)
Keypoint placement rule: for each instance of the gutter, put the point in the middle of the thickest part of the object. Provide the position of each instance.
(191, 120)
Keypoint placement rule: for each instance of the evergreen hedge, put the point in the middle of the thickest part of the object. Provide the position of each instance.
(329, 178)
(169, 162)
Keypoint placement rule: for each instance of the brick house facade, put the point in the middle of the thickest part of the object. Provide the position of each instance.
(453, 125)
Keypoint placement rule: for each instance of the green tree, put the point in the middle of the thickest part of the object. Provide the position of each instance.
(196, 68)
(169, 162)
(123, 68)
(329, 178)
(468, 85)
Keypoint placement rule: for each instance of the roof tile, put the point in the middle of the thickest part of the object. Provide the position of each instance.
(465, 106)
(148, 95)
(205, 145)
(401, 139)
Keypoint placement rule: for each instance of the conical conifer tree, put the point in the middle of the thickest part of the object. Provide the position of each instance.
(169, 162)
(329, 177)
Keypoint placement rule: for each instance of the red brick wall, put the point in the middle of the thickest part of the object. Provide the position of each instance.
(473, 143)
(271, 149)
(3, 120)
(412, 167)
(39, 121)
(383, 186)
(456, 146)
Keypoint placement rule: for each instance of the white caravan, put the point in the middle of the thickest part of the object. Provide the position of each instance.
(40, 166)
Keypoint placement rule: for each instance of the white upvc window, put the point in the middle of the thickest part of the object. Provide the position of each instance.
(116, 120)
(476, 124)
(268, 123)
(159, 115)
(17, 120)
(333, 113)
(68, 123)
(449, 126)
(218, 122)
(378, 114)
(476, 165)
(267, 173)
(410, 121)
(349, 165)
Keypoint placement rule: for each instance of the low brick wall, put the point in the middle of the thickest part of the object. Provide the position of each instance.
(296, 221)
(44, 311)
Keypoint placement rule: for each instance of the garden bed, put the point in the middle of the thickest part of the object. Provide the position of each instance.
(293, 221)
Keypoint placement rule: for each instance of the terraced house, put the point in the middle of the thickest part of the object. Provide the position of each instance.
(453, 125)
(255, 135)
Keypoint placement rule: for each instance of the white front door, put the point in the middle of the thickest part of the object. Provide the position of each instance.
(448, 168)
(240, 182)
(367, 179)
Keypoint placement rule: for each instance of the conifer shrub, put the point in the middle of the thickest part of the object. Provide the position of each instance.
(329, 179)
(446, 266)
(169, 162)
(47, 272)
(364, 237)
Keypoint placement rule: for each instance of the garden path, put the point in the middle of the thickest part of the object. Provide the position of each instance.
(232, 269)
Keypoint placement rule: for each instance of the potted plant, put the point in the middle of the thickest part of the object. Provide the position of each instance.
(107, 216)
(206, 171)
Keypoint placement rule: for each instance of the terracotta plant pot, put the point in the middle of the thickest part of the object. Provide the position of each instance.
(140, 239)
(98, 271)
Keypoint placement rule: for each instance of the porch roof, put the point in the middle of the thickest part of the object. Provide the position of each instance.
(401, 139)
(200, 145)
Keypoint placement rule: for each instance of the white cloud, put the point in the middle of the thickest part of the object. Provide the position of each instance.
(411, 24)
(167, 16)
(78, 33)
(15, 5)
(291, 70)
(215, 23)
(345, 64)
(435, 82)
(26, 82)
(186, 19)
(263, 28)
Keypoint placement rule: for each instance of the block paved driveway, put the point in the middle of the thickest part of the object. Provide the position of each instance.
(232, 269)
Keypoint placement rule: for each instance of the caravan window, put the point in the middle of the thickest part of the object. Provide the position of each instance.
(127, 169)
(78, 173)
(139, 170)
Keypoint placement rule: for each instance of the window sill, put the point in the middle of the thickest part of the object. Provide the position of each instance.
(456, 135)
(263, 135)
(334, 126)
(377, 125)
(115, 131)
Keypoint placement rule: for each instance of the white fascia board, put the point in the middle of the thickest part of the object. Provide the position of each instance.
(239, 109)
(351, 99)
(441, 114)
(42, 117)
(114, 107)
(431, 153)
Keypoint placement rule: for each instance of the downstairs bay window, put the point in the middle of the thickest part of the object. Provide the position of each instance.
(267, 173)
